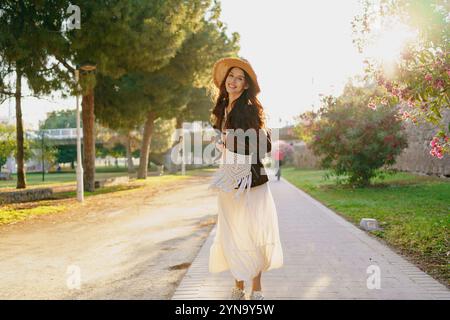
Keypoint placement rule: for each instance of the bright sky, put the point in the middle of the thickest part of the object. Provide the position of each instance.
(289, 43)
(297, 48)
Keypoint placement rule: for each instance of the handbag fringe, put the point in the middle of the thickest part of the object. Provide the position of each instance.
(232, 175)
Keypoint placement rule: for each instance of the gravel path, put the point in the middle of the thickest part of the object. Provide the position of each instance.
(134, 244)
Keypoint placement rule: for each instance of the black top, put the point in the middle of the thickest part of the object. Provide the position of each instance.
(259, 174)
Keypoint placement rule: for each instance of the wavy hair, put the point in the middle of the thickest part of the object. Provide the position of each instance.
(247, 111)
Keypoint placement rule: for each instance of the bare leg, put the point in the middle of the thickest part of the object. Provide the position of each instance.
(239, 284)
(256, 286)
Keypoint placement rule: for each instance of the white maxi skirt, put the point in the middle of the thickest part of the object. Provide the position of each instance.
(247, 239)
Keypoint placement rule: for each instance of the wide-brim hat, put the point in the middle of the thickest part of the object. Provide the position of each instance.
(222, 65)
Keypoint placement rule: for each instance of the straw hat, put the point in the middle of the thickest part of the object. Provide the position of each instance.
(222, 65)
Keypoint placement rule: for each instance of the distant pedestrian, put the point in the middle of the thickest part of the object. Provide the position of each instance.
(279, 157)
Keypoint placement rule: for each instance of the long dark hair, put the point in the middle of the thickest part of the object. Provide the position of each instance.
(241, 115)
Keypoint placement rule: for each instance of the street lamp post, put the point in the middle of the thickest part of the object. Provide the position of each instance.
(183, 167)
(79, 169)
(42, 154)
(86, 68)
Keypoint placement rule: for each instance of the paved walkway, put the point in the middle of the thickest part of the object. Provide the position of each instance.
(325, 257)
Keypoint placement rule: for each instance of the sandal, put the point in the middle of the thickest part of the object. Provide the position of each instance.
(237, 294)
(256, 295)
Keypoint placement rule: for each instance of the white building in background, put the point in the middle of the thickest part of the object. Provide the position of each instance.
(11, 165)
(31, 165)
(35, 165)
(10, 161)
(5, 120)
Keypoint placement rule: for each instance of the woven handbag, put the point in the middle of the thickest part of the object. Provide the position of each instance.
(234, 172)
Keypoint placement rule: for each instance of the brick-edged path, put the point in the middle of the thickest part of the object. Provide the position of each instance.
(325, 257)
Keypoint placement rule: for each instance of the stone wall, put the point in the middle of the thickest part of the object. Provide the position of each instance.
(25, 195)
(416, 158)
(304, 158)
(113, 181)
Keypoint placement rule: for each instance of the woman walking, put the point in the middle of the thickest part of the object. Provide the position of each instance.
(247, 238)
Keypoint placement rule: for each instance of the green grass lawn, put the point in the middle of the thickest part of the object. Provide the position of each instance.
(35, 179)
(413, 211)
(65, 177)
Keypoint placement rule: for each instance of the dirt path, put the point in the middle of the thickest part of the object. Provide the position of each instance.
(135, 244)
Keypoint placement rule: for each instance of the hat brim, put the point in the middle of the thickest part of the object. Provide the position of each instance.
(221, 67)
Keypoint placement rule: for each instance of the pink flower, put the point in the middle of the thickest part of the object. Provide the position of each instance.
(372, 106)
(437, 154)
(406, 115)
(433, 142)
(388, 86)
(428, 77)
(448, 72)
(439, 84)
(436, 148)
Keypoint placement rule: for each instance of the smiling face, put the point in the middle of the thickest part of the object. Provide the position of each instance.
(235, 82)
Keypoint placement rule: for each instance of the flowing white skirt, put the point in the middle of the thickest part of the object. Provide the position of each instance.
(247, 239)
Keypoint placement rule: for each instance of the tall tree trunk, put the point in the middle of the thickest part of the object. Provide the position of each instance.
(21, 183)
(179, 123)
(145, 148)
(88, 117)
(129, 155)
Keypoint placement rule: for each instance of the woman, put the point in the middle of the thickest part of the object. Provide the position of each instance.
(247, 237)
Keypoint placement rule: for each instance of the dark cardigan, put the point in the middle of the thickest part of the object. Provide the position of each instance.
(259, 174)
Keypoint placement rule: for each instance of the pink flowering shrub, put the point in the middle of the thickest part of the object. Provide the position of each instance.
(352, 140)
(285, 148)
